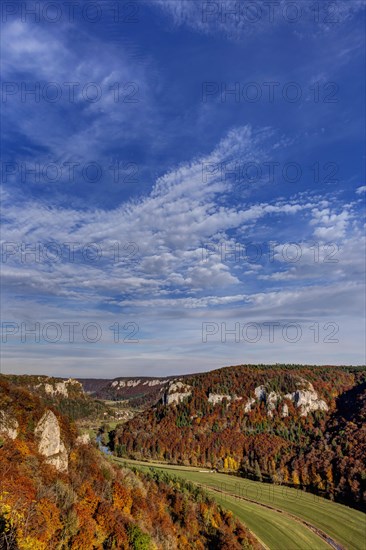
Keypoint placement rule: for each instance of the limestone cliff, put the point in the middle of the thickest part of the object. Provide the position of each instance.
(8, 425)
(177, 391)
(50, 444)
(307, 399)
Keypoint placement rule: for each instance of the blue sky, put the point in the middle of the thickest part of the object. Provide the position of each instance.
(151, 148)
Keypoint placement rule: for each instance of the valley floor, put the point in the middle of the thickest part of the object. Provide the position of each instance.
(280, 517)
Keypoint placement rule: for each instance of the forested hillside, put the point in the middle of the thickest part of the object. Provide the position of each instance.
(67, 396)
(287, 424)
(57, 492)
(138, 391)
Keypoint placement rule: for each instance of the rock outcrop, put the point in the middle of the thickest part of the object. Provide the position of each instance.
(83, 439)
(50, 444)
(8, 425)
(260, 393)
(136, 382)
(307, 399)
(284, 410)
(59, 388)
(217, 398)
(126, 383)
(156, 382)
(177, 391)
(271, 400)
(248, 405)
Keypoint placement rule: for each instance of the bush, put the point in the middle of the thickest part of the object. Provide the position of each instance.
(137, 538)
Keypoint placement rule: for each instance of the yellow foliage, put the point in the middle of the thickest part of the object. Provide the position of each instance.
(214, 523)
(72, 456)
(122, 498)
(30, 543)
(329, 475)
(21, 447)
(295, 478)
(183, 543)
(50, 519)
(12, 517)
(230, 463)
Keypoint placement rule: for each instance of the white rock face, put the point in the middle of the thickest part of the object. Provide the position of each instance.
(307, 401)
(50, 443)
(60, 388)
(83, 439)
(248, 404)
(126, 383)
(218, 397)
(177, 391)
(271, 400)
(260, 393)
(134, 383)
(154, 382)
(8, 425)
(305, 398)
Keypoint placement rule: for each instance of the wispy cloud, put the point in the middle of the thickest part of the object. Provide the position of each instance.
(188, 241)
(177, 269)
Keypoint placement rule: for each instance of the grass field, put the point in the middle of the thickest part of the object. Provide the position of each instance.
(279, 531)
(274, 529)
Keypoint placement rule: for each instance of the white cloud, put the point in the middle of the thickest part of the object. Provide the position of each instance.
(169, 227)
(330, 225)
(170, 285)
(45, 59)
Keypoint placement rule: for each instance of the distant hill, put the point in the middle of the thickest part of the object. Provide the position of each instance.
(293, 424)
(57, 491)
(139, 391)
(66, 396)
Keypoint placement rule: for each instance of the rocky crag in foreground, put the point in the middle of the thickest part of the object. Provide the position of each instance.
(47, 435)
(58, 492)
(283, 424)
